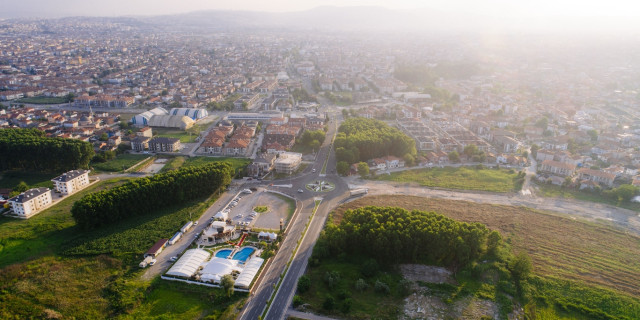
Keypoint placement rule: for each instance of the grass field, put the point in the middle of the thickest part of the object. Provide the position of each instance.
(120, 163)
(586, 256)
(464, 178)
(43, 233)
(10, 179)
(173, 163)
(175, 300)
(551, 191)
(37, 281)
(184, 136)
(237, 163)
(42, 100)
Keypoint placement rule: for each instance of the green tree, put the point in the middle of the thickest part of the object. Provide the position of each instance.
(409, 160)
(343, 168)
(297, 301)
(21, 187)
(361, 285)
(520, 267)
(593, 134)
(454, 156)
(470, 150)
(542, 123)
(304, 283)
(534, 150)
(363, 169)
(104, 137)
(227, 284)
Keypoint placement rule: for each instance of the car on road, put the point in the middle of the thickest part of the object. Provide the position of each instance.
(195, 223)
(173, 259)
(314, 170)
(300, 190)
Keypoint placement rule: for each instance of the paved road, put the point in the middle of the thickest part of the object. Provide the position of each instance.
(263, 290)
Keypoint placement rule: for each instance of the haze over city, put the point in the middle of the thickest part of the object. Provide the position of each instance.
(319, 159)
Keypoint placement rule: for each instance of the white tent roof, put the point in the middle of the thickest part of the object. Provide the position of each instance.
(216, 268)
(189, 263)
(221, 215)
(249, 272)
(273, 236)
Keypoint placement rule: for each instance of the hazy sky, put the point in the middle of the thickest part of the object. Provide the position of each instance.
(497, 8)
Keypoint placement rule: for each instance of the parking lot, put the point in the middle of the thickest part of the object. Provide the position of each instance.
(242, 213)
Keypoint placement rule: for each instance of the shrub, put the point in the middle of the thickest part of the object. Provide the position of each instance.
(297, 301)
(329, 303)
(382, 287)
(361, 285)
(370, 268)
(304, 283)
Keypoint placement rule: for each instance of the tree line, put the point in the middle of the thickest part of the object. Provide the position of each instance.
(31, 150)
(144, 195)
(361, 139)
(395, 235)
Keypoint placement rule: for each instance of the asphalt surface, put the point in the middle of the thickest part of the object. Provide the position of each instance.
(263, 290)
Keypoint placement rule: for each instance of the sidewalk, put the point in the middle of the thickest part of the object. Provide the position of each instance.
(304, 315)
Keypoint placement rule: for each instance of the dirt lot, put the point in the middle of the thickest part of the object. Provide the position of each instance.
(423, 305)
(277, 209)
(559, 246)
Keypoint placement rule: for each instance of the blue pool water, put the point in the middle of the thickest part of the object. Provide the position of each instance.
(224, 253)
(243, 254)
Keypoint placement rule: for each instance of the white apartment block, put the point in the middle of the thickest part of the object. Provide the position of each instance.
(72, 181)
(30, 202)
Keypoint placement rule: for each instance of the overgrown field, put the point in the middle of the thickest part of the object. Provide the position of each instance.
(43, 233)
(120, 163)
(237, 163)
(586, 256)
(551, 191)
(464, 178)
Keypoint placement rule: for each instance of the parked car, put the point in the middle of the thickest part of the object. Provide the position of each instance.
(314, 170)
(254, 189)
(300, 190)
(153, 261)
(195, 223)
(173, 259)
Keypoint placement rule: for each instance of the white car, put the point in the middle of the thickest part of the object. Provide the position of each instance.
(314, 170)
(195, 223)
(153, 261)
(173, 259)
(300, 190)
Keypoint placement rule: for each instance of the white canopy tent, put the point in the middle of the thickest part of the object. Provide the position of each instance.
(189, 263)
(217, 268)
(249, 272)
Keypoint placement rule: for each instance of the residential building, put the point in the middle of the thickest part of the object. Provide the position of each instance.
(559, 168)
(288, 162)
(71, 181)
(140, 143)
(30, 202)
(145, 132)
(164, 144)
(604, 178)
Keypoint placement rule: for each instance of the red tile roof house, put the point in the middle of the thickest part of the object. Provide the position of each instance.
(559, 168)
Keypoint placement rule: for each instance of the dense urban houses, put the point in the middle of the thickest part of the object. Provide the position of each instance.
(31, 202)
(162, 144)
(71, 181)
(558, 168)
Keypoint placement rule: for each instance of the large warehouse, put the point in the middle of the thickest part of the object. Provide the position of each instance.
(142, 120)
(166, 121)
(192, 113)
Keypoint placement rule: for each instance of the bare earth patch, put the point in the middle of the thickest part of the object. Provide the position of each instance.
(423, 305)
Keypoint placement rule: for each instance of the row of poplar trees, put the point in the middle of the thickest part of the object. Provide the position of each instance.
(145, 195)
(31, 150)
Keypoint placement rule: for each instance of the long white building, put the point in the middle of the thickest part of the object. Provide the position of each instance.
(72, 181)
(30, 202)
(193, 113)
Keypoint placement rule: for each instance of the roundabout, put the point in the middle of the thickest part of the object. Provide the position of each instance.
(320, 186)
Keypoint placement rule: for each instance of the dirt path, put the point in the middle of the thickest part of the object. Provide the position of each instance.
(607, 214)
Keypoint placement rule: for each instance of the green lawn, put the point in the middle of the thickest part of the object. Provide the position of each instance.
(42, 100)
(185, 136)
(552, 191)
(464, 178)
(10, 179)
(120, 163)
(237, 163)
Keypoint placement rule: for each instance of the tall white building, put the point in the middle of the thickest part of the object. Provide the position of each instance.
(72, 181)
(31, 202)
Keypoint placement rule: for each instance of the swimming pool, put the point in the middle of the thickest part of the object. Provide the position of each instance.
(244, 254)
(224, 253)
